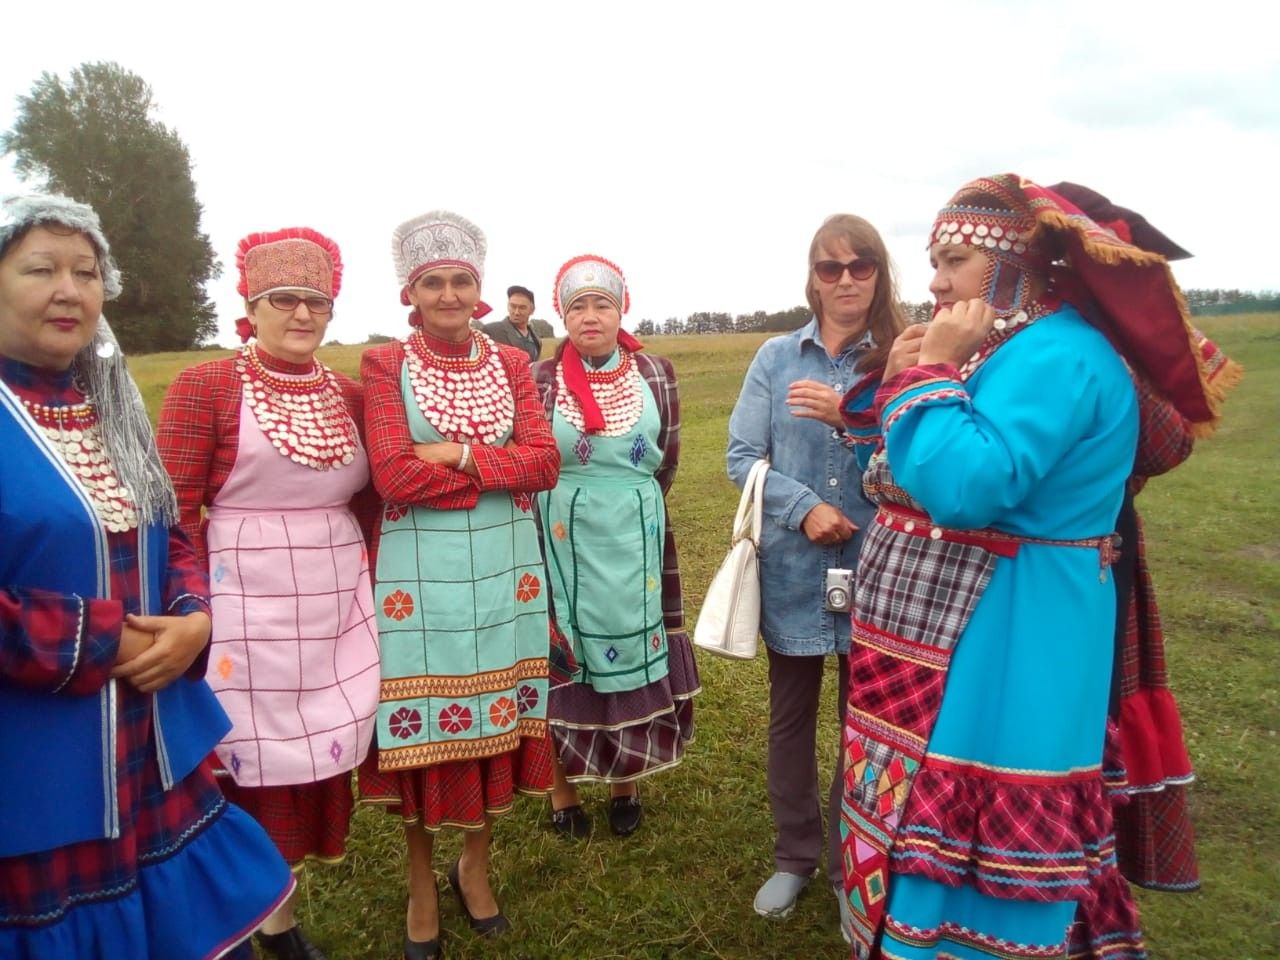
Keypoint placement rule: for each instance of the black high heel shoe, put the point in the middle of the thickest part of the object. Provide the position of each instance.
(421, 949)
(493, 926)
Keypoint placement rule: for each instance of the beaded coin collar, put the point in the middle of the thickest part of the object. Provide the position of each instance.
(617, 392)
(305, 417)
(467, 398)
(1002, 330)
(72, 430)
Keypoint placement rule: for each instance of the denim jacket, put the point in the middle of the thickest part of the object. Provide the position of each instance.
(810, 463)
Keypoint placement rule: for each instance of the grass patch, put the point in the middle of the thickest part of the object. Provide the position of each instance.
(682, 887)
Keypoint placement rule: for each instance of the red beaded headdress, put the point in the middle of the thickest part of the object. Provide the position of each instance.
(297, 257)
(1127, 292)
(293, 258)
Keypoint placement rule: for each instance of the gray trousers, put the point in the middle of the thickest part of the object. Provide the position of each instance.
(794, 686)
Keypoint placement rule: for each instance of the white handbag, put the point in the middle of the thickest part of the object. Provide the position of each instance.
(729, 622)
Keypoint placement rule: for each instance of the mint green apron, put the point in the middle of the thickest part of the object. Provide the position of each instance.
(603, 528)
(462, 620)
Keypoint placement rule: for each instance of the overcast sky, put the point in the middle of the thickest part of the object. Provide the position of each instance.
(698, 144)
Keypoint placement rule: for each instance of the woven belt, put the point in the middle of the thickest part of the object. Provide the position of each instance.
(917, 524)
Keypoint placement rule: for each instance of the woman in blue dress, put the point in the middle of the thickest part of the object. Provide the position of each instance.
(115, 841)
(975, 818)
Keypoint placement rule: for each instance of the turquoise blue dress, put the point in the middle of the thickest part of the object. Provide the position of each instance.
(994, 821)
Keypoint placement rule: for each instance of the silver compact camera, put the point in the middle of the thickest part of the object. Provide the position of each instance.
(839, 591)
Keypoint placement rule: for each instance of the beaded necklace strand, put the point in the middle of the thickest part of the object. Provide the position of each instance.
(305, 418)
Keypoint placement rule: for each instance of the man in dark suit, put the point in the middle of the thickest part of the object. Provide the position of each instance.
(515, 330)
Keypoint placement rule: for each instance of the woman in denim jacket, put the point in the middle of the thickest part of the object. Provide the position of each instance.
(789, 411)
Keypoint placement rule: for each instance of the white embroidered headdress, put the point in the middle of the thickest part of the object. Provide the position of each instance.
(436, 239)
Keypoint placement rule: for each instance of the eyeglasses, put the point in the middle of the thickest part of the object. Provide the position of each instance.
(860, 268)
(288, 302)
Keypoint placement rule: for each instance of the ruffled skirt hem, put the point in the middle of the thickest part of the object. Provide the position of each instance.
(201, 902)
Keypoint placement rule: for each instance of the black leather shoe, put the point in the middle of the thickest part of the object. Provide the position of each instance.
(571, 822)
(290, 945)
(493, 926)
(625, 814)
(421, 949)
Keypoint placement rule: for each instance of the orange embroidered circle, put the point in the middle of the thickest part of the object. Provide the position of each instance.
(558, 531)
(528, 588)
(502, 712)
(225, 666)
(398, 605)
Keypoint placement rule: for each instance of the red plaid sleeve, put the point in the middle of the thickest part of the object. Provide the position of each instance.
(532, 462)
(57, 642)
(1164, 435)
(198, 436)
(186, 589)
(399, 475)
(661, 377)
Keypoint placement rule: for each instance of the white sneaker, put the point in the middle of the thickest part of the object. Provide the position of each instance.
(846, 915)
(777, 898)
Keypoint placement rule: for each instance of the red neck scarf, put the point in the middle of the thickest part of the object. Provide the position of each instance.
(575, 378)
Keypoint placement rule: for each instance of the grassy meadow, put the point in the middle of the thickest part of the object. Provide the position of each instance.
(682, 886)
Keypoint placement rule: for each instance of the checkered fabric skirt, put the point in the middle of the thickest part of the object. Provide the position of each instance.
(306, 821)
(460, 793)
(1155, 842)
(616, 737)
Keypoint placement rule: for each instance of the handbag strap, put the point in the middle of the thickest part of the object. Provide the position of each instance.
(752, 498)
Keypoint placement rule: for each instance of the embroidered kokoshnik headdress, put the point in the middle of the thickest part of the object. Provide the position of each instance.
(579, 277)
(438, 238)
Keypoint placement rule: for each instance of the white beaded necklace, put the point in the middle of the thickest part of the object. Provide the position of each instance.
(305, 419)
(73, 432)
(617, 392)
(467, 399)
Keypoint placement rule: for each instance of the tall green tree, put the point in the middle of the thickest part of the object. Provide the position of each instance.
(95, 138)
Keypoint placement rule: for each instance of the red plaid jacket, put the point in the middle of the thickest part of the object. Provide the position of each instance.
(532, 463)
(199, 434)
(660, 375)
(1164, 436)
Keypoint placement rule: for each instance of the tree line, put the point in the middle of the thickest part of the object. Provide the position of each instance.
(95, 137)
(1200, 301)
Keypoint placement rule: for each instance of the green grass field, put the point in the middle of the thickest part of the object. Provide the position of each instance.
(682, 886)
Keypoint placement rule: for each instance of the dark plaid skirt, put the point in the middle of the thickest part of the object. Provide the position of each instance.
(616, 737)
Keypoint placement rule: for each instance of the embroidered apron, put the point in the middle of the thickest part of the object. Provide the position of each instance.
(603, 526)
(462, 613)
(294, 659)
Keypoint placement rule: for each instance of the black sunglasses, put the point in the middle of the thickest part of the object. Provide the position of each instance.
(289, 301)
(860, 268)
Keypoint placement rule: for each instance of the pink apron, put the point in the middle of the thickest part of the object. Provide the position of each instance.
(294, 659)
